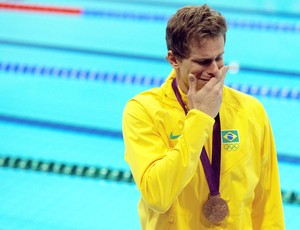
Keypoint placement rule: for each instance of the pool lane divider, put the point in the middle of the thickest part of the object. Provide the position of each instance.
(114, 54)
(85, 171)
(92, 172)
(260, 25)
(223, 9)
(121, 55)
(40, 8)
(147, 81)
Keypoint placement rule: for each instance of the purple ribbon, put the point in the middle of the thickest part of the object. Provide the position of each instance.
(212, 171)
(178, 95)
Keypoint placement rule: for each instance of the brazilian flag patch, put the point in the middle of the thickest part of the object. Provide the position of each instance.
(230, 136)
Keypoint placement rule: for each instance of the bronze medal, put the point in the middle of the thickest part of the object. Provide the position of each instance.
(215, 209)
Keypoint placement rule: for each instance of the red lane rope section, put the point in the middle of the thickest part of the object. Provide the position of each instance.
(39, 8)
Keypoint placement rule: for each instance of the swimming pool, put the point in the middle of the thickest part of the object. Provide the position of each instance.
(65, 78)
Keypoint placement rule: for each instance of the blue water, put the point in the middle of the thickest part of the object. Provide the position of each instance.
(124, 44)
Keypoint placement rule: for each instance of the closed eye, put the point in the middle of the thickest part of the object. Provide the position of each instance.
(205, 62)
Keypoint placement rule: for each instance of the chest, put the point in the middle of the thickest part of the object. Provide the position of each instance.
(240, 138)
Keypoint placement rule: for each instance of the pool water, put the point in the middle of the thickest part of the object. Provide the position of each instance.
(65, 79)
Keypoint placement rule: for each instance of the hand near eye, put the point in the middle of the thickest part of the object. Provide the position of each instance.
(209, 98)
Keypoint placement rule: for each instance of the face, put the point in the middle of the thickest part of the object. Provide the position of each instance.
(204, 62)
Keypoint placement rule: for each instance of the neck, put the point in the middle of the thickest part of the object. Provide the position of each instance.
(182, 87)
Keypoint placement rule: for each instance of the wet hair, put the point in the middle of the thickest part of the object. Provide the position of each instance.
(191, 24)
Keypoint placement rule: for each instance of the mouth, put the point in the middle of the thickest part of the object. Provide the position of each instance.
(203, 79)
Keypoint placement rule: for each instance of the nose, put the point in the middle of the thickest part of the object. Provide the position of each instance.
(213, 68)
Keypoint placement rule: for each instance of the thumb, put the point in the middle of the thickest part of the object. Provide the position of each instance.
(192, 82)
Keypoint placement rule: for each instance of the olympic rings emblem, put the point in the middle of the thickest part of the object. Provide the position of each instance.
(231, 147)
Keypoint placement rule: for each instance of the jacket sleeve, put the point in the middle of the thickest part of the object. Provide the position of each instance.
(161, 173)
(267, 208)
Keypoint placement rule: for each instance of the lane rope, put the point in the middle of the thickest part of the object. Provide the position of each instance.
(93, 172)
(86, 171)
(123, 55)
(40, 8)
(227, 9)
(147, 81)
(246, 24)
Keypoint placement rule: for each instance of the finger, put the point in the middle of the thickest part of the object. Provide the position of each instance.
(223, 72)
(222, 75)
(220, 78)
(192, 83)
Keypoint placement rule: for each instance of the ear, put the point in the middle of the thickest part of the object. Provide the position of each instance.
(174, 62)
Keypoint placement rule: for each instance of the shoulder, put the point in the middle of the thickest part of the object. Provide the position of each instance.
(144, 102)
(157, 97)
(150, 94)
(242, 102)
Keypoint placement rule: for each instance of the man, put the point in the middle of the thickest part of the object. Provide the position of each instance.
(202, 154)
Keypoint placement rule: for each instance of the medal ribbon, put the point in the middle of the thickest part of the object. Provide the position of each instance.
(212, 172)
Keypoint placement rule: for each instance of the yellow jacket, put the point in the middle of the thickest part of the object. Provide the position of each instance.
(163, 145)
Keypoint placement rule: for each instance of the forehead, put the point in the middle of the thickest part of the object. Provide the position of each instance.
(207, 47)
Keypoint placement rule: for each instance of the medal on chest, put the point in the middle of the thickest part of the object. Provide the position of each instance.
(215, 209)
